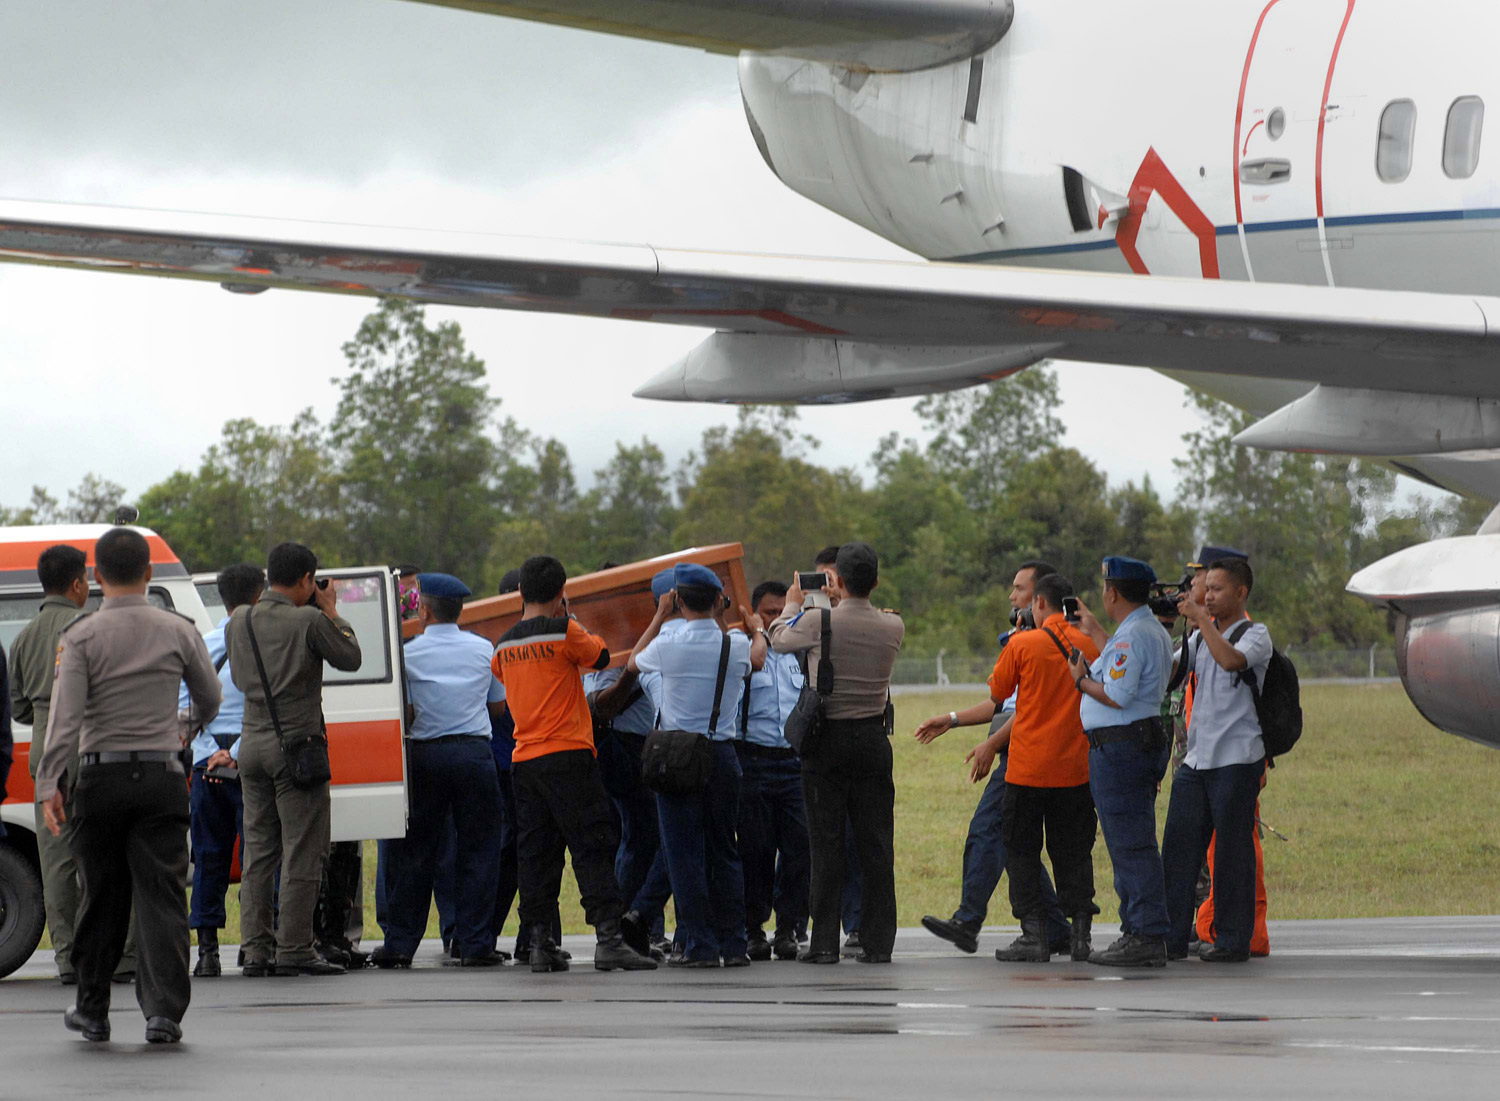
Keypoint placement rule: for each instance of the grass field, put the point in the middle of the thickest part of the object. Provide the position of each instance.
(1386, 815)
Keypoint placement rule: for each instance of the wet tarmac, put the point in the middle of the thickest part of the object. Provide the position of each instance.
(1396, 1008)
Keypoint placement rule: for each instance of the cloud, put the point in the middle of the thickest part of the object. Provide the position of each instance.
(395, 114)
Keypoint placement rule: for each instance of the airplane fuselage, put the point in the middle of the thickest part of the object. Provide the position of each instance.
(1322, 142)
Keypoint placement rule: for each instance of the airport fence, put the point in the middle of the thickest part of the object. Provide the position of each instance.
(1374, 663)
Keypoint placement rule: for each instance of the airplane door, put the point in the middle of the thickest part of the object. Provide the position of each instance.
(366, 710)
(1276, 185)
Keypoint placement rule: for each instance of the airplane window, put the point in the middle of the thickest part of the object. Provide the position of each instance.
(1398, 125)
(1276, 124)
(1461, 142)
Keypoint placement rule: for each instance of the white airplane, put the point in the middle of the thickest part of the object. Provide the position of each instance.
(1305, 180)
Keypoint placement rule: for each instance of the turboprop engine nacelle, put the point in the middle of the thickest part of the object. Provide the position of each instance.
(1446, 596)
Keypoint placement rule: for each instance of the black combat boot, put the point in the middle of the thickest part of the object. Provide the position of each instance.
(1133, 951)
(1029, 947)
(545, 955)
(613, 954)
(1083, 926)
(208, 966)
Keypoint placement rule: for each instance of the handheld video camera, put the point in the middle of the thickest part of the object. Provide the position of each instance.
(1165, 594)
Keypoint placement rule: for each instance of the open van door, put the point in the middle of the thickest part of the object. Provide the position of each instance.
(366, 710)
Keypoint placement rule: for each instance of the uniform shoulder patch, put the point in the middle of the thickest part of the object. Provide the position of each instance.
(74, 622)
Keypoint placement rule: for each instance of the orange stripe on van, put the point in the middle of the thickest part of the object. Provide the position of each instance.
(23, 556)
(358, 753)
(365, 753)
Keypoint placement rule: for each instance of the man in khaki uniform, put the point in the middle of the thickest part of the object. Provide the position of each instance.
(63, 572)
(285, 825)
(847, 777)
(114, 742)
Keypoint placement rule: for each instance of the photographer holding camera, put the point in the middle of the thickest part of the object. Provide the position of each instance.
(984, 848)
(1128, 748)
(276, 660)
(1215, 789)
(847, 777)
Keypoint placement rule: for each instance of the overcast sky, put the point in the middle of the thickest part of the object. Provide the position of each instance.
(382, 112)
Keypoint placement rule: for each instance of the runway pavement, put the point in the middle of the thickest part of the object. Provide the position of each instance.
(1392, 1008)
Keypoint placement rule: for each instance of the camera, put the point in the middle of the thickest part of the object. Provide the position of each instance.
(814, 588)
(322, 583)
(1165, 594)
(1022, 619)
(1070, 608)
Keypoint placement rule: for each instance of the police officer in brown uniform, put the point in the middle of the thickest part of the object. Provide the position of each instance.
(848, 777)
(297, 628)
(114, 713)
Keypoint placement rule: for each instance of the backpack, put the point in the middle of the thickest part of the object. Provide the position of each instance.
(1278, 702)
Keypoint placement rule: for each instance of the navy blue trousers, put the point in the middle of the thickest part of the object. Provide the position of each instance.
(703, 861)
(443, 889)
(451, 780)
(984, 861)
(1123, 779)
(773, 820)
(640, 835)
(218, 812)
(1204, 801)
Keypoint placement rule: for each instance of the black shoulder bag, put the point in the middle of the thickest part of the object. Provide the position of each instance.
(806, 725)
(306, 755)
(677, 762)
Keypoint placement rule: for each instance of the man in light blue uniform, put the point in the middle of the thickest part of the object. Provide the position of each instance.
(625, 706)
(1129, 746)
(215, 802)
(698, 830)
(773, 812)
(452, 695)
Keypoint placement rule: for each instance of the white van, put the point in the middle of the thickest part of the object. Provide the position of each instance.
(365, 709)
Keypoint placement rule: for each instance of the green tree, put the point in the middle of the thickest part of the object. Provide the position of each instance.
(1303, 519)
(413, 438)
(258, 486)
(980, 435)
(630, 507)
(751, 484)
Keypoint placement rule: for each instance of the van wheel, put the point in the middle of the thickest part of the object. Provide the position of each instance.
(22, 915)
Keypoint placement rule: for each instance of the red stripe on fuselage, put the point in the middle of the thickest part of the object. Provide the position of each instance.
(1323, 107)
(1239, 109)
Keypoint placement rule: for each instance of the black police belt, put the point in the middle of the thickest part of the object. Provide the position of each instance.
(1142, 730)
(168, 759)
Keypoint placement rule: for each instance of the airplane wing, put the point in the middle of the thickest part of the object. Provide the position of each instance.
(882, 35)
(818, 329)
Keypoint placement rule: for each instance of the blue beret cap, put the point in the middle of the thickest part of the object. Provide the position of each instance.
(690, 573)
(663, 583)
(1208, 555)
(1119, 568)
(442, 585)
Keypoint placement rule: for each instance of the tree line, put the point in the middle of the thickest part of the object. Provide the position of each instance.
(418, 464)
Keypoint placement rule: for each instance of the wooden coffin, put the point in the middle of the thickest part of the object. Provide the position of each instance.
(615, 604)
